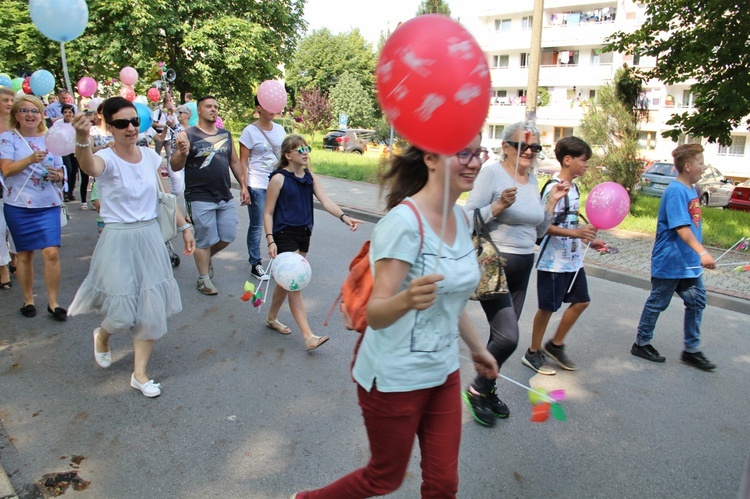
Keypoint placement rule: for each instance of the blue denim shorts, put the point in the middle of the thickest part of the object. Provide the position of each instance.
(552, 289)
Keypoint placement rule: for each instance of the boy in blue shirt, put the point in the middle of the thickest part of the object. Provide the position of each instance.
(560, 256)
(678, 260)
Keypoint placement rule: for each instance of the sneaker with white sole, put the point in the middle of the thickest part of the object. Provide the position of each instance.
(258, 272)
(206, 287)
(538, 362)
(557, 353)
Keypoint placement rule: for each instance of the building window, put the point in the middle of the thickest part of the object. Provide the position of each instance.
(496, 131)
(499, 93)
(736, 149)
(527, 22)
(687, 98)
(500, 61)
(561, 132)
(688, 139)
(647, 140)
(502, 24)
(592, 94)
(525, 60)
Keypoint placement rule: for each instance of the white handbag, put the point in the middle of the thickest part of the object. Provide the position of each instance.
(166, 210)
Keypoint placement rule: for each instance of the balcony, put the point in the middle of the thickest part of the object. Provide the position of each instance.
(554, 115)
(505, 41)
(574, 75)
(590, 33)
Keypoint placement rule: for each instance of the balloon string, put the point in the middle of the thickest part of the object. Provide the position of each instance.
(65, 68)
(444, 222)
(542, 395)
(579, 268)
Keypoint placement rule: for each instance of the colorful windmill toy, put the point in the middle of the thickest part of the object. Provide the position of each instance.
(252, 294)
(544, 404)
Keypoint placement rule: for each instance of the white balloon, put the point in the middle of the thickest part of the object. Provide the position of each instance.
(142, 99)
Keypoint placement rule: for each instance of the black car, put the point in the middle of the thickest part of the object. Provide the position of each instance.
(352, 140)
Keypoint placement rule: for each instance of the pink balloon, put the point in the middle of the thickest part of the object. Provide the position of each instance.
(272, 96)
(128, 75)
(433, 83)
(60, 139)
(128, 93)
(153, 94)
(607, 205)
(87, 86)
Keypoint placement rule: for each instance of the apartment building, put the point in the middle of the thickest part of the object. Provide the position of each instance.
(573, 68)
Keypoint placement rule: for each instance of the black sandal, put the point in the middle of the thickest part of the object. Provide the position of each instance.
(12, 269)
(6, 285)
(60, 313)
(28, 310)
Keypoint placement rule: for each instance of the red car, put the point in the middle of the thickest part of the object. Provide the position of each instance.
(740, 199)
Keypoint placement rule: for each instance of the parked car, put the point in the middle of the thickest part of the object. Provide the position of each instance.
(547, 165)
(713, 188)
(351, 140)
(740, 199)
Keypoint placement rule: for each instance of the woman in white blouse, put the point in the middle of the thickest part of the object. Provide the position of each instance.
(130, 281)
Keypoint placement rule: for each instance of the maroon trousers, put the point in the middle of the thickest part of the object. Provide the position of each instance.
(392, 420)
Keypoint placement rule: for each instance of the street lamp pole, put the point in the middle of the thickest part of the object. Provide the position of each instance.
(532, 88)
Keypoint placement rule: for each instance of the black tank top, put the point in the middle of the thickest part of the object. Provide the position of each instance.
(207, 166)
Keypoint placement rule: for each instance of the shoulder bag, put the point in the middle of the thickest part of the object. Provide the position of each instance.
(166, 209)
(492, 281)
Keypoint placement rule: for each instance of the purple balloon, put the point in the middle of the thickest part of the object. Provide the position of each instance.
(607, 205)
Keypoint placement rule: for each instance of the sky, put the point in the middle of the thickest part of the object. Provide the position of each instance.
(370, 16)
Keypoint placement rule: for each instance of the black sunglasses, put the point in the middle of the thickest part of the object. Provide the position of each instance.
(122, 124)
(464, 157)
(522, 146)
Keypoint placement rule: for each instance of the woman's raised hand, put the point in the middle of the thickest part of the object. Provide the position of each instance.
(82, 124)
(422, 291)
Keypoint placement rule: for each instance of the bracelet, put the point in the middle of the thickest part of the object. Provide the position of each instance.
(184, 228)
(705, 252)
(87, 144)
(272, 242)
(269, 235)
(342, 217)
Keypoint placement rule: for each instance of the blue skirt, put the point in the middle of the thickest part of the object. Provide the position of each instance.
(33, 228)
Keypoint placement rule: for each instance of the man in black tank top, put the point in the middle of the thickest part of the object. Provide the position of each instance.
(207, 153)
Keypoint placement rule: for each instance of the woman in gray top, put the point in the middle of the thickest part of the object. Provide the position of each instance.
(507, 197)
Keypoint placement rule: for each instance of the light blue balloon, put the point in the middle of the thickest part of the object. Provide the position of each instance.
(5, 81)
(42, 82)
(144, 113)
(59, 20)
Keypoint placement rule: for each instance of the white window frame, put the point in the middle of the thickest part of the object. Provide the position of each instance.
(737, 149)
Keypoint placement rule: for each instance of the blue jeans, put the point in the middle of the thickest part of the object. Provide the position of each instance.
(255, 229)
(693, 294)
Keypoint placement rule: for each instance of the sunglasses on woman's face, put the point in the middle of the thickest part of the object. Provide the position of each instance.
(522, 146)
(303, 150)
(122, 124)
(464, 157)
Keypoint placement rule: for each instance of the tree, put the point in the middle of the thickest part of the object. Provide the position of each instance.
(225, 52)
(323, 57)
(316, 111)
(349, 97)
(433, 7)
(611, 127)
(705, 40)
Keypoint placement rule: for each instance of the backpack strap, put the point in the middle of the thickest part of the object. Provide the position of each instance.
(558, 218)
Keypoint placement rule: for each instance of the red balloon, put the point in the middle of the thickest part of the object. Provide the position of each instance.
(26, 85)
(153, 94)
(128, 93)
(433, 83)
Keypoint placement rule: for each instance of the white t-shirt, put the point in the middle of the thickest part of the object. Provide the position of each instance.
(262, 157)
(420, 349)
(159, 117)
(127, 191)
(562, 254)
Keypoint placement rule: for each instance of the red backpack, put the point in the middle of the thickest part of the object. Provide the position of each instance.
(357, 287)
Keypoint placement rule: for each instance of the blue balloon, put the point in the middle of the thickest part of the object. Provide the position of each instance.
(5, 81)
(144, 113)
(42, 82)
(59, 20)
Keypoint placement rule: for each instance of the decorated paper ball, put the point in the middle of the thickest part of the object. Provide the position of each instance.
(291, 271)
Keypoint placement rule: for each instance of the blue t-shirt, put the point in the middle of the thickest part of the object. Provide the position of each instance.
(294, 206)
(670, 257)
(193, 120)
(420, 349)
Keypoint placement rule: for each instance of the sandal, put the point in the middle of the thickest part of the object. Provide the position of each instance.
(12, 269)
(314, 342)
(5, 285)
(277, 326)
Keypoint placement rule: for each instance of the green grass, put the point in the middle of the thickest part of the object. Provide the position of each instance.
(346, 166)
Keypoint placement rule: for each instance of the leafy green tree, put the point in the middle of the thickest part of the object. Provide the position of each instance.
(226, 52)
(323, 57)
(611, 127)
(433, 7)
(316, 111)
(705, 40)
(349, 97)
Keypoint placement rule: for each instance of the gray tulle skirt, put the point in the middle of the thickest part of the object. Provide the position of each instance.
(130, 281)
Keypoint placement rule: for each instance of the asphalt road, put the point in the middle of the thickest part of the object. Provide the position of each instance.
(246, 412)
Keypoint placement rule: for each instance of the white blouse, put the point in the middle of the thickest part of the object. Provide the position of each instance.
(128, 191)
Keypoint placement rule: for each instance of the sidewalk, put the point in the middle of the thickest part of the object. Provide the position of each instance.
(632, 265)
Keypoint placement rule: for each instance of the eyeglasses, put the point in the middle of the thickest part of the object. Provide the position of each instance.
(303, 150)
(122, 124)
(464, 157)
(522, 146)
(24, 110)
